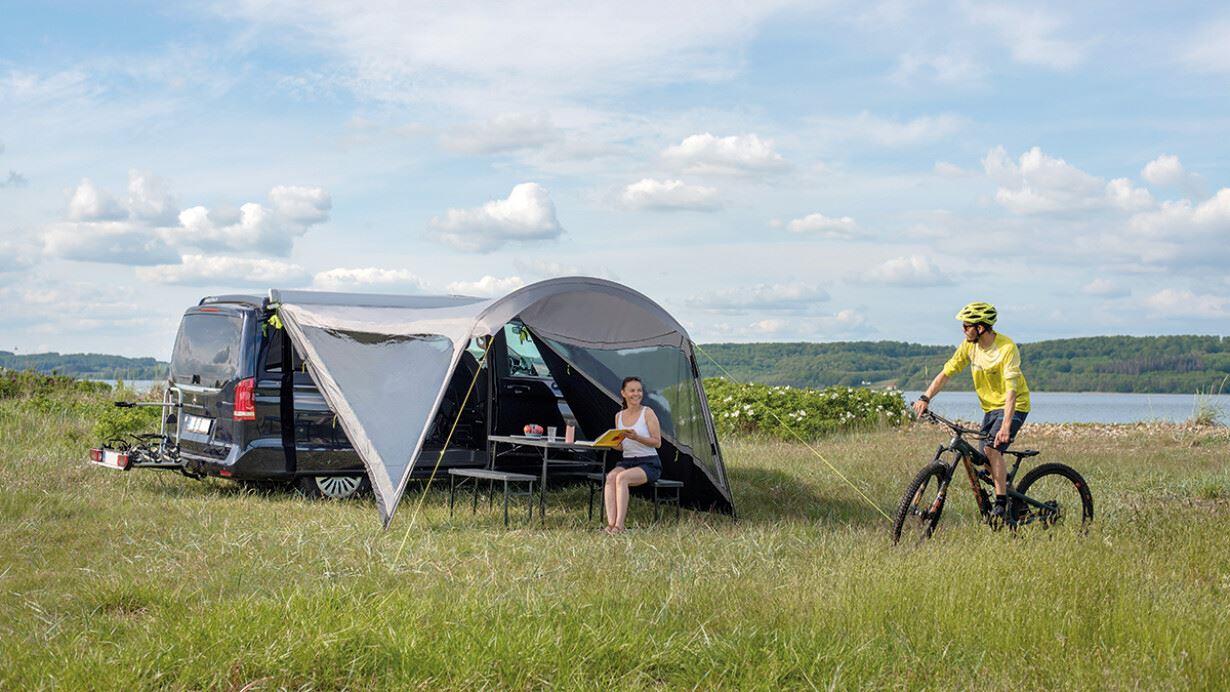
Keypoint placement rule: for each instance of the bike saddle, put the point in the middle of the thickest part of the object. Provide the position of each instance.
(1021, 454)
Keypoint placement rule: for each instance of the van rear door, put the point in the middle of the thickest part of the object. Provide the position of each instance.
(206, 364)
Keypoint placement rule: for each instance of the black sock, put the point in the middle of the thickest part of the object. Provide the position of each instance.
(1001, 500)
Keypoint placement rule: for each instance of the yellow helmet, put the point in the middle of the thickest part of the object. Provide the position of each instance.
(978, 312)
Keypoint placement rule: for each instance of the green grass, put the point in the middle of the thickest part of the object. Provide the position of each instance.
(148, 579)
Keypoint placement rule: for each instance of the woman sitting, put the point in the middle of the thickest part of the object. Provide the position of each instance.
(640, 463)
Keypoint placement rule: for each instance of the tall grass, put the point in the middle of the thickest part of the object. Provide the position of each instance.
(147, 579)
(1206, 412)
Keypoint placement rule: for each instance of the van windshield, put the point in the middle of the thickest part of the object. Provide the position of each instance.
(207, 349)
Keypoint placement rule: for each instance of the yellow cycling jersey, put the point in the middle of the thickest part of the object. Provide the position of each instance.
(996, 370)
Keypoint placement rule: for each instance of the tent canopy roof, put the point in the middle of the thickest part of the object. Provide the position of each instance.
(579, 310)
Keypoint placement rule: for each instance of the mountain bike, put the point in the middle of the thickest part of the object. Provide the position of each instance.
(1065, 498)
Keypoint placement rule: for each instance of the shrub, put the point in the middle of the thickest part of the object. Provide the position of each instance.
(117, 423)
(15, 384)
(757, 409)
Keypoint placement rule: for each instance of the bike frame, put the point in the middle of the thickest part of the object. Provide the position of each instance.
(968, 456)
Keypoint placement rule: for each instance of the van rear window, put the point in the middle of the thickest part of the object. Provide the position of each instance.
(207, 349)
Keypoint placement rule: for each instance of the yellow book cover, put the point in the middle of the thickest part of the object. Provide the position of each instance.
(610, 438)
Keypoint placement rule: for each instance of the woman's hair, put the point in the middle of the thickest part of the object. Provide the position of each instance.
(623, 384)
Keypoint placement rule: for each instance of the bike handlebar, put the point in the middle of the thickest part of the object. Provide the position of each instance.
(958, 429)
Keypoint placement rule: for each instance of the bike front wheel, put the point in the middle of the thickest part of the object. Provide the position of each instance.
(1062, 496)
(922, 504)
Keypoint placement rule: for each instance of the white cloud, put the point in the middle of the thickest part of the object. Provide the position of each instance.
(824, 226)
(770, 326)
(507, 132)
(792, 297)
(1176, 304)
(146, 228)
(516, 54)
(913, 271)
(148, 200)
(545, 268)
(488, 286)
(1042, 184)
(17, 257)
(253, 227)
(1105, 288)
(1209, 220)
(1164, 171)
(115, 242)
(1167, 171)
(845, 323)
(202, 270)
(1208, 50)
(1030, 34)
(301, 205)
(527, 214)
(735, 155)
(950, 70)
(667, 195)
(89, 203)
(849, 318)
(945, 169)
(1121, 194)
(886, 131)
(344, 279)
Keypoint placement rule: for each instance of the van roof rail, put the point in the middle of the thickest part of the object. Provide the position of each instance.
(254, 301)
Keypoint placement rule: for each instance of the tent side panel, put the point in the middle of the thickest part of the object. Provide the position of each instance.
(384, 390)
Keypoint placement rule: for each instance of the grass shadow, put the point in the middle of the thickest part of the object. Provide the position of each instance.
(764, 495)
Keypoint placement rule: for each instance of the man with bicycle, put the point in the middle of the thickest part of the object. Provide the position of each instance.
(995, 364)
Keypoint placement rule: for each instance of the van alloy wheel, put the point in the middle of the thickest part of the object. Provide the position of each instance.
(333, 487)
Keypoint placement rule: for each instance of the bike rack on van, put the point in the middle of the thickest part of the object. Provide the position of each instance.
(147, 450)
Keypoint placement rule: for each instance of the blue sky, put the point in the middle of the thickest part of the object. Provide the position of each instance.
(770, 171)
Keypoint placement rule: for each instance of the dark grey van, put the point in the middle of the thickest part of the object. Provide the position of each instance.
(251, 412)
(247, 409)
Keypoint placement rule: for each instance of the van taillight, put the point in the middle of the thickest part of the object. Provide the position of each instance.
(245, 399)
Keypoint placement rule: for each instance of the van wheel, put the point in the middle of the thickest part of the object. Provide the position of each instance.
(334, 487)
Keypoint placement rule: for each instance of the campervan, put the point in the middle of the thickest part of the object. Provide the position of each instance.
(247, 409)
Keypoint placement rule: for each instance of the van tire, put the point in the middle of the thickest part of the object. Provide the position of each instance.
(334, 487)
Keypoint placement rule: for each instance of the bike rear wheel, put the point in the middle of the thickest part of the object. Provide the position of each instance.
(922, 505)
(1068, 502)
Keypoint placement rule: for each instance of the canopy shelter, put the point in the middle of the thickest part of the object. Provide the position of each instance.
(385, 364)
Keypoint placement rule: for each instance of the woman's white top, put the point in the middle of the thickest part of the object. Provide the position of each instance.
(632, 448)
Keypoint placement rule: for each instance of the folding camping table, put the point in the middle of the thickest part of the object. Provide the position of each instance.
(518, 441)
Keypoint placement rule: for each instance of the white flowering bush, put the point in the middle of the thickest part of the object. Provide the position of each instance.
(763, 410)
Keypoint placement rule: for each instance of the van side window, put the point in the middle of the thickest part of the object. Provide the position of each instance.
(207, 349)
(524, 360)
(273, 353)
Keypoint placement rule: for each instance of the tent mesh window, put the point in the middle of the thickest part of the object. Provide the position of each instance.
(670, 389)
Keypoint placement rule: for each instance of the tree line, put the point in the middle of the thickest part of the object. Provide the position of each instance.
(91, 366)
(1156, 364)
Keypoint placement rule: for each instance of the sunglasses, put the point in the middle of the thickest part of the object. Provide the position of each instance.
(969, 326)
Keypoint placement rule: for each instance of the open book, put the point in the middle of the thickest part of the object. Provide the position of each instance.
(609, 439)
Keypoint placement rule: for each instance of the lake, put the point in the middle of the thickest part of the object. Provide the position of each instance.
(1086, 407)
(1048, 407)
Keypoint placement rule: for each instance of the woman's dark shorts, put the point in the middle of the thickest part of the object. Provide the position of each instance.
(991, 423)
(651, 465)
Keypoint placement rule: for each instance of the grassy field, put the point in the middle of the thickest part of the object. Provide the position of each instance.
(149, 579)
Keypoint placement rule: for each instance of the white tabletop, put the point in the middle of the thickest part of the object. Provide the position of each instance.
(542, 441)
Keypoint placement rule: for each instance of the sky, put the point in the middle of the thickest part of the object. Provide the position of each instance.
(769, 171)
